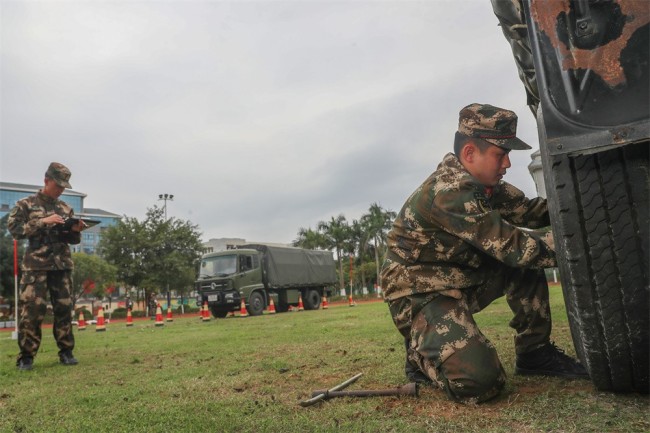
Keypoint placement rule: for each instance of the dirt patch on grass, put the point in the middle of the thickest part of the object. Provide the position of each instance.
(433, 402)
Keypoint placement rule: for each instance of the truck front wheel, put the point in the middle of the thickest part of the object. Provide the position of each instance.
(600, 217)
(219, 312)
(312, 300)
(256, 304)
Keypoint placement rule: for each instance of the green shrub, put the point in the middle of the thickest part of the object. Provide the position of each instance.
(87, 314)
(119, 313)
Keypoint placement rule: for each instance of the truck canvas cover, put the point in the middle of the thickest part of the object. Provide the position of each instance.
(286, 266)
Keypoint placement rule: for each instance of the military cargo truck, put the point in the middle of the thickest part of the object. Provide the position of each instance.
(584, 64)
(259, 273)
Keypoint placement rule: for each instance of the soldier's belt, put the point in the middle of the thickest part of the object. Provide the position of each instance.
(395, 258)
(422, 260)
(390, 255)
(38, 242)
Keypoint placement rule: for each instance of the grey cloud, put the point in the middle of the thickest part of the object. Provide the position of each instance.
(261, 117)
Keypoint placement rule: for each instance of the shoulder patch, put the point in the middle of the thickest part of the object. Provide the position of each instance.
(482, 202)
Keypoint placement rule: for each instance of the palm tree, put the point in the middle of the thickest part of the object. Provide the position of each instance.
(356, 244)
(310, 239)
(377, 222)
(336, 233)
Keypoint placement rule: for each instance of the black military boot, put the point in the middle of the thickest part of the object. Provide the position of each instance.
(549, 360)
(25, 363)
(413, 373)
(67, 358)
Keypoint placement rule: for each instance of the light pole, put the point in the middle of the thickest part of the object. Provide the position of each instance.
(166, 197)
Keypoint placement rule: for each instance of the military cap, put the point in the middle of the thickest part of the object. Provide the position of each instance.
(495, 125)
(60, 174)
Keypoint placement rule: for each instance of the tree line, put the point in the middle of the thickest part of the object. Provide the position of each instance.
(158, 254)
(153, 255)
(363, 241)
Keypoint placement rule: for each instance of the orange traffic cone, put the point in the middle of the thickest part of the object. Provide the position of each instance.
(205, 313)
(272, 307)
(159, 318)
(300, 306)
(169, 314)
(81, 324)
(101, 326)
(242, 311)
(129, 318)
(324, 303)
(351, 302)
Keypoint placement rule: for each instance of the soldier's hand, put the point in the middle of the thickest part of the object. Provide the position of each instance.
(53, 219)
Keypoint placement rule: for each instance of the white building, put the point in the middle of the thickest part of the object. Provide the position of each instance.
(222, 244)
(535, 168)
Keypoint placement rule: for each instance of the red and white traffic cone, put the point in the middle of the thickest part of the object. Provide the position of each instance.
(300, 306)
(351, 302)
(205, 313)
(101, 325)
(81, 324)
(159, 318)
(324, 303)
(169, 314)
(272, 307)
(242, 310)
(129, 318)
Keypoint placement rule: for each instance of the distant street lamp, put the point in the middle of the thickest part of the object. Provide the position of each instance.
(166, 197)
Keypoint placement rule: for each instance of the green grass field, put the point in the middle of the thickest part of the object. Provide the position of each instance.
(249, 374)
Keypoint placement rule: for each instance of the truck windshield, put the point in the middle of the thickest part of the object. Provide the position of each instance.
(220, 266)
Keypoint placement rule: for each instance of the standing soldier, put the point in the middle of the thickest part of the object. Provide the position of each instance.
(456, 246)
(129, 303)
(153, 304)
(47, 266)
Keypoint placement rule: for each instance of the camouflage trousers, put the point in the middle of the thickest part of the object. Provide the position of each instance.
(445, 343)
(34, 287)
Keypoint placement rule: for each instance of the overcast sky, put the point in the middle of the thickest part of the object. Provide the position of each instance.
(260, 117)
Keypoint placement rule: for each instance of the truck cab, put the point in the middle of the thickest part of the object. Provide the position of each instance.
(226, 276)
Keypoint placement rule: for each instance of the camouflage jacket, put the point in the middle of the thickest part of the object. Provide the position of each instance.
(48, 248)
(450, 233)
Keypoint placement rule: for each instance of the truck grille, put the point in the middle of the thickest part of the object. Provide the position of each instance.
(214, 286)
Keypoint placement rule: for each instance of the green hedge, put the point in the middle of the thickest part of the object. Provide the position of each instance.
(119, 313)
(48, 319)
(87, 314)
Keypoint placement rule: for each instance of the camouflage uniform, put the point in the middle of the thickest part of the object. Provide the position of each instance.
(47, 266)
(454, 248)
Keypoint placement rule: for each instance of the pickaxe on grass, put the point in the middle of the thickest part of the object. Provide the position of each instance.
(324, 394)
